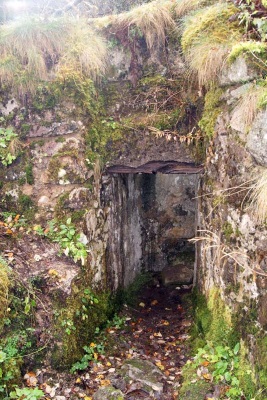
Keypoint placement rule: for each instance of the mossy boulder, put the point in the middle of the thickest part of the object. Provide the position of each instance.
(108, 393)
(144, 372)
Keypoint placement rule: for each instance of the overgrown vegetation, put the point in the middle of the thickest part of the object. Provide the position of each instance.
(152, 21)
(67, 237)
(9, 146)
(4, 290)
(207, 37)
(220, 355)
(33, 51)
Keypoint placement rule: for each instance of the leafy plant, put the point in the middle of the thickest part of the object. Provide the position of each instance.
(91, 354)
(67, 237)
(117, 322)
(223, 363)
(27, 394)
(9, 146)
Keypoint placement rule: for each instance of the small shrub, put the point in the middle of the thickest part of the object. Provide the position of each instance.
(9, 146)
(27, 394)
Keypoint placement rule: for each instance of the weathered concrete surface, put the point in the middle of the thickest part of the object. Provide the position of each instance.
(150, 220)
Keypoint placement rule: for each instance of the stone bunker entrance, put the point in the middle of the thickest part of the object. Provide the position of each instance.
(152, 215)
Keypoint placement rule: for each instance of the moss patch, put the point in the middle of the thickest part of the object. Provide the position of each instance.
(211, 111)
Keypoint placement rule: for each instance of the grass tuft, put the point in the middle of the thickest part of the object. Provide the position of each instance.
(249, 104)
(184, 7)
(258, 198)
(31, 49)
(4, 288)
(152, 20)
(208, 36)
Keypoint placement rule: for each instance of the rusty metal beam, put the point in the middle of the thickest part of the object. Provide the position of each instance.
(154, 167)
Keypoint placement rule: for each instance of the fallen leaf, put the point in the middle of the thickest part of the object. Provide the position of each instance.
(142, 304)
(154, 303)
(105, 382)
(205, 363)
(207, 377)
(31, 379)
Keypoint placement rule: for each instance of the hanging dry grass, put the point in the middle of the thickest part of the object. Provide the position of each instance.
(221, 252)
(208, 60)
(153, 20)
(31, 49)
(258, 198)
(249, 104)
(85, 51)
(207, 38)
(4, 288)
(184, 7)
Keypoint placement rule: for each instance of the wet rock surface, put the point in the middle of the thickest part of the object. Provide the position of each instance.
(177, 275)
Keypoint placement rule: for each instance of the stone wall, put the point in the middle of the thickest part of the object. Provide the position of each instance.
(232, 255)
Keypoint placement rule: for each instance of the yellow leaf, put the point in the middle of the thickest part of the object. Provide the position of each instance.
(108, 364)
(105, 382)
(88, 398)
(52, 272)
(207, 377)
(166, 323)
(78, 380)
(142, 304)
(159, 365)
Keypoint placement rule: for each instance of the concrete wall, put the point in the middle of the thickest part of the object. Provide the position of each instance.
(150, 220)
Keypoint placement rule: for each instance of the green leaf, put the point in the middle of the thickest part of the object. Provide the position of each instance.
(227, 376)
(236, 348)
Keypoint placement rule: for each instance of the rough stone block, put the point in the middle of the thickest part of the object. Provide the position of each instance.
(108, 393)
(144, 372)
(177, 275)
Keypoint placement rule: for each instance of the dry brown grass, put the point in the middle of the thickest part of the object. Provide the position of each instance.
(207, 38)
(208, 60)
(258, 198)
(184, 7)
(84, 50)
(30, 50)
(152, 20)
(248, 106)
(4, 288)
